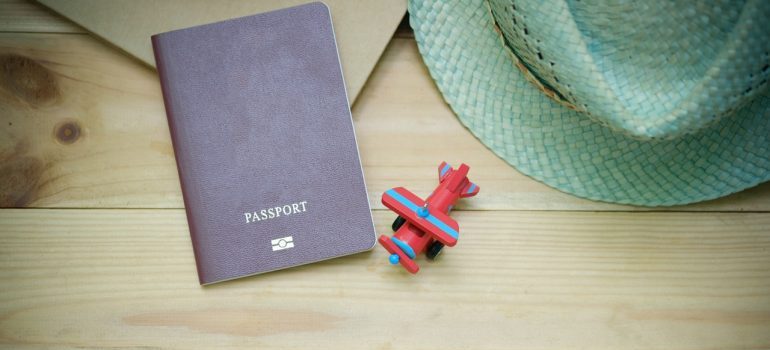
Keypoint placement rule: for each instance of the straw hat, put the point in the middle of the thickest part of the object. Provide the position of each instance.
(638, 102)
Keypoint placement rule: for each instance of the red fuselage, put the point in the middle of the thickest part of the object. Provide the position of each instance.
(443, 199)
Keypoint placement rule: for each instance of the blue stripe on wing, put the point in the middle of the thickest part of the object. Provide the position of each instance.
(430, 218)
(404, 247)
(444, 170)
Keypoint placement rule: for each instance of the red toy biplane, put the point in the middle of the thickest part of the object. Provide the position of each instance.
(425, 226)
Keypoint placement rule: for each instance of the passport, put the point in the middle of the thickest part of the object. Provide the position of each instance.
(264, 142)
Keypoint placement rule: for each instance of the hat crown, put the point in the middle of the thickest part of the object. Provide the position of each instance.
(649, 68)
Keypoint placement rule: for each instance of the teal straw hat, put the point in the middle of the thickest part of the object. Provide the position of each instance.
(651, 102)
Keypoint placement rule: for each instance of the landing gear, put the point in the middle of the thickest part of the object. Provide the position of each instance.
(434, 250)
(398, 223)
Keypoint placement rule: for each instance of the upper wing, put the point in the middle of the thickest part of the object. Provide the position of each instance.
(435, 223)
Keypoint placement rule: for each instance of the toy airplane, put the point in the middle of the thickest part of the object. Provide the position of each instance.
(425, 226)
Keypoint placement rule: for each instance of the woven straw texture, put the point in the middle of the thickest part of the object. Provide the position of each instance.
(596, 102)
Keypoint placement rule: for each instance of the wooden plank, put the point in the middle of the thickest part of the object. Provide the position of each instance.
(83, 126)
(126, 279)
(28, 16)
(121, 155)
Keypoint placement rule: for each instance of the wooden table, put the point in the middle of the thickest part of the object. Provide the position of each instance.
(97, 253)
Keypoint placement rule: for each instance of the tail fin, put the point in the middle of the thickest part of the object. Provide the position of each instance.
(444, 169)
(470, 190)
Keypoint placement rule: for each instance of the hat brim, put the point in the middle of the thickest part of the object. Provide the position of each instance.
(565, 149)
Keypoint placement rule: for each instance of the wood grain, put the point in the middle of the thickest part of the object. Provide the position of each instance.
(126, 279)
(118, 153)
(82, 125)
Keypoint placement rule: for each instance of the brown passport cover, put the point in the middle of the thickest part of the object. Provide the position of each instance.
(259, 119)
